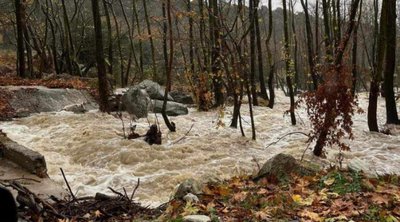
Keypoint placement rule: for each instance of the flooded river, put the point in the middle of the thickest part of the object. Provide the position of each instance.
(92, 152)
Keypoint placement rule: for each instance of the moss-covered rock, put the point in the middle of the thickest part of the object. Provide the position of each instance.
(281, 167)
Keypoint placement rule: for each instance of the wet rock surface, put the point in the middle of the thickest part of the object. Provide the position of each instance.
(26, 100)
(281, 167)
(136, 102)
(189, 186)
(154, 90)
(181, 97)
(173, 108)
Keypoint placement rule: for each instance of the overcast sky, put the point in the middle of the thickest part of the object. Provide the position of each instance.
(278, 3)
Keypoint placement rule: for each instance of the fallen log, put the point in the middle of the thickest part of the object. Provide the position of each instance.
(28, 159)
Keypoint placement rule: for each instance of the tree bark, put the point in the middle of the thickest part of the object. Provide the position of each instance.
(216, 54)
(191, 38)
(390, 63)
(170, 125)
(376, 73)
(109, 38)
(253, 88)
(20, 20)
(310, 47)
(101, 67)
(289, 71)
(269, 54)
(153, 51)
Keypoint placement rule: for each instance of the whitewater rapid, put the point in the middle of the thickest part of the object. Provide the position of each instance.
(90, 149)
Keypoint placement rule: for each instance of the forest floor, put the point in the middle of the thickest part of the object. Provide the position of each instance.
(332, 195)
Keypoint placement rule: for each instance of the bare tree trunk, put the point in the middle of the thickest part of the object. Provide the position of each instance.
(28, 48)
(354, 69)
(376, 73)
(132, 52)
(289, 71)
(269, 54)
(215, 53)
(310, 48)
(20, 18)
(119, 44)
(53, 45)
(101, 66)
(317, 48)
(191, 39)
(261, 78)
(296, 49)
(153, 52)
(170, 125)
(165, 35)
(69, 46)
(390, 63)
(136, 18)
(109, 38)
(253, 88)
(327, 34)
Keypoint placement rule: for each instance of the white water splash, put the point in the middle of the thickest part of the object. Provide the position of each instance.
(94, 156)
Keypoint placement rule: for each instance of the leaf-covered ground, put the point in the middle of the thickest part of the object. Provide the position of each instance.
(332, 195)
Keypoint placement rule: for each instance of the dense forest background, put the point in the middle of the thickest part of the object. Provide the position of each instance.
(133, 31)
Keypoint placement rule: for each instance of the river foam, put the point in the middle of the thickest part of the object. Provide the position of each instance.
(90, 149)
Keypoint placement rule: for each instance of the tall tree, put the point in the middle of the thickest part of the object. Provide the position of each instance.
(354, 68)
(101, 66)
(252, 53)
(310, 47)
(335, 92)
(379, 36)
(327, 28)
(269, 54)
(152, 47)
(20, 19)
(109, 38)
(390, 61)
(295, 47)
(139, 31)
(69, 43)
(289, 70)
(216, 53)
(170, 125)
(261, 78)
(191, 38)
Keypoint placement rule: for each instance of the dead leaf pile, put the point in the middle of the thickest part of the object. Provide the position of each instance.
(332, 195)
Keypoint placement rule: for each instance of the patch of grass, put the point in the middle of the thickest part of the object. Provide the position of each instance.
(344, 182)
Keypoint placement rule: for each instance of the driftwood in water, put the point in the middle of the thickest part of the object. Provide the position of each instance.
(153, 135)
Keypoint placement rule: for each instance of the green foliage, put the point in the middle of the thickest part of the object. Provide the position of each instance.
(342, 182)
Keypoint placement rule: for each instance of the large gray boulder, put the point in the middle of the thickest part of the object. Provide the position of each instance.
(182, 97)
(173, 108)
(281, 167)
(154, 90)
(26, 100)
(136, 102)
